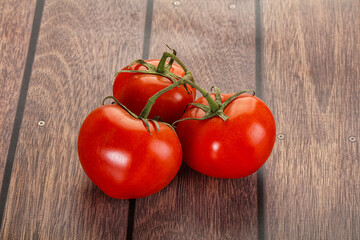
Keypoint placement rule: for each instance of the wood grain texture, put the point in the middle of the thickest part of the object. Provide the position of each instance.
(16, 18)
(218, 45)
(81, 45)
(311, 80)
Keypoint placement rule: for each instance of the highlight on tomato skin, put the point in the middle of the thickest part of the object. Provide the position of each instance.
(134, 90)
(234, 148)
(119, 155)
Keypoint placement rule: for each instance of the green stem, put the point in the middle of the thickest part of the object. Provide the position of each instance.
(212, 103)
(166, 55)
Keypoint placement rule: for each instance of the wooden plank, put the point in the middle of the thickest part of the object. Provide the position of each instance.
(311, 79)
(15, 31)
(217, 44)
(81, 45)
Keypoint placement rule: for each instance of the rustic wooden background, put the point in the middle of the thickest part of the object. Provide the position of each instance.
(57, 62)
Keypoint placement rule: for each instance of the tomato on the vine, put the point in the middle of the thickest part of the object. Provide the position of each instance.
(128, 154)
(119, 155)
(234, 148)
(133, 89)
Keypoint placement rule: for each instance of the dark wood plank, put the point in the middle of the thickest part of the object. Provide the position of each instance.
(15, 31)
(218, 46)
(81, 45)
(311, 79)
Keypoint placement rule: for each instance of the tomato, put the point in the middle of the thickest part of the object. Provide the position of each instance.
(134, 89)
(234, 148)
(119, 155)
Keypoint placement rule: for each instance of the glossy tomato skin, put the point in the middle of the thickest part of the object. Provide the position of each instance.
(134, 89)
(235, 148)
(119, 155)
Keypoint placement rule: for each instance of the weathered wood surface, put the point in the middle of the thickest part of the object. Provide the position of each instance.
(311, 82)
(81, 45)
(16, 19)
(308, 71)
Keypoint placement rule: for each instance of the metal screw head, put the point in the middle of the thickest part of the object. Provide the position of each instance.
(176, 3)
(232, 6)
(352, 139)
(41, 123)
(281, 136)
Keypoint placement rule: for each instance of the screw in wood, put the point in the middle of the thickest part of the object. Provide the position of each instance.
(281, 136)
(232, 6)
(176, 3)
(41, 123)
(352, 139)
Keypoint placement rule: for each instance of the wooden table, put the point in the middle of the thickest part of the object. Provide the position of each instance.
(58, 59)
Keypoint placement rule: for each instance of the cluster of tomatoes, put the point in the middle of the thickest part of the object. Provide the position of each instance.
(130, 148)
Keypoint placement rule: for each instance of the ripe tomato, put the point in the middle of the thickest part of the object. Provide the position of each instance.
(134, 89)
(119, 155)
(228, 149)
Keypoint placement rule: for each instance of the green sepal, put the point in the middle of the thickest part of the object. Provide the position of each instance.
(206, 108)
(156, 124)
(146, 124)
(232, 98)
(174, 76)
(206, 116)
(121, 105)
(222, 115)
(132, 63)
(169, 126)
(149, 66)
(187, 90)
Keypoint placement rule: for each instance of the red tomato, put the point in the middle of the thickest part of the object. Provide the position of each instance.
(119, 155)
(234, 148)
(134, 89)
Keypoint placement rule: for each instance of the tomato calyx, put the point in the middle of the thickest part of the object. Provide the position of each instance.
(145, 120)
(218, 110)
